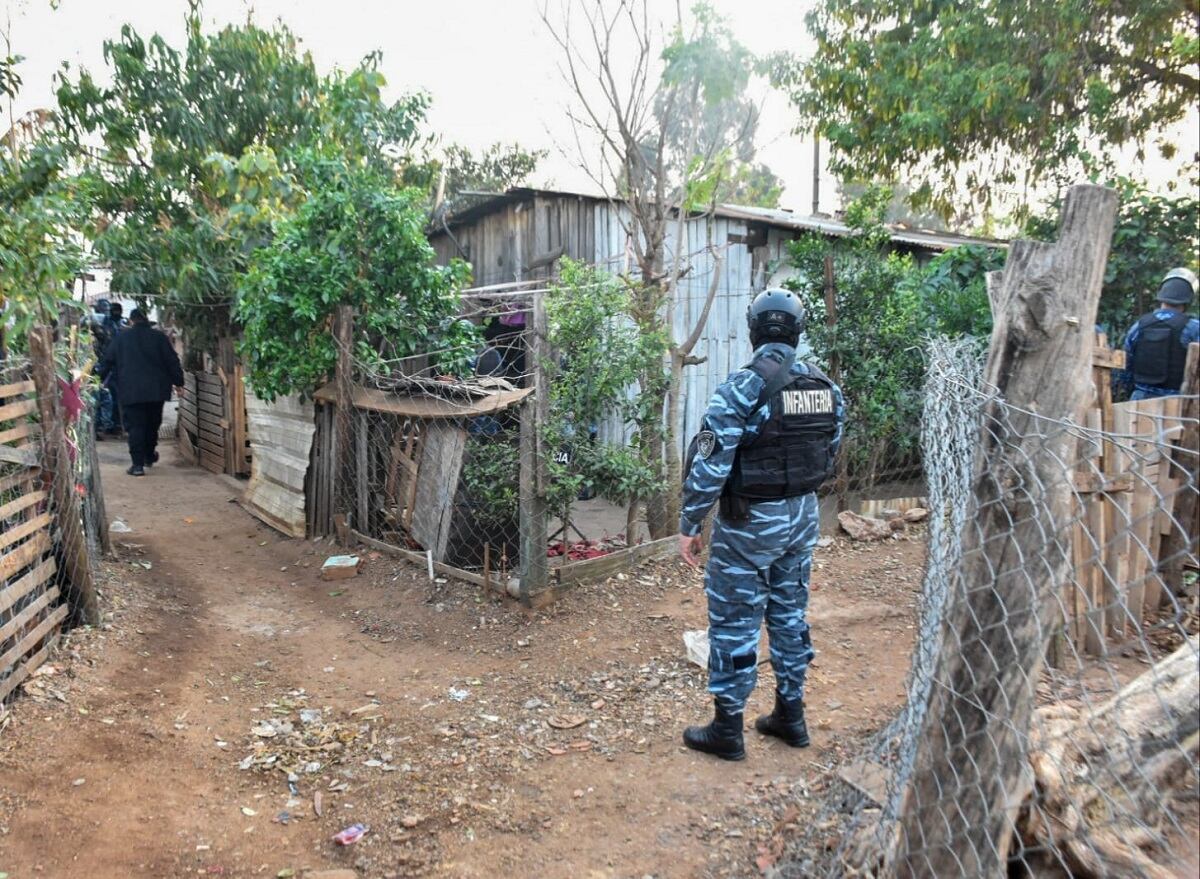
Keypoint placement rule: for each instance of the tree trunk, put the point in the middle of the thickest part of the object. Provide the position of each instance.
(959, 806)
(1103, 777)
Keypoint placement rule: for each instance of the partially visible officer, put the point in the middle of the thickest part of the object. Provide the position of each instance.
(768, 441)
(1156, 346)
(146, 367)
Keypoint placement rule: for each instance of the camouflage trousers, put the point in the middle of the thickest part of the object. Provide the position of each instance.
(758, 568)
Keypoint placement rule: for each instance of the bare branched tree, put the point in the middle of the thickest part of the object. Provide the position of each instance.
(659, 117)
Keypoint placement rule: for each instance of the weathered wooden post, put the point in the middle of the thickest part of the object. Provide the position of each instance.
(969, 773)
(535, 571)
(57, 465)
(97, 492)
(1180, 541)
(342, 458)
(841, 483)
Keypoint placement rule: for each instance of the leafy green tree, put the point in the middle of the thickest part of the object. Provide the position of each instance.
(598, 356)
(43, 212)
(158, 141)
(887, 306)
(457, 172)
(951, 291)
(967, 99)
(356, 239)
(1154, 233)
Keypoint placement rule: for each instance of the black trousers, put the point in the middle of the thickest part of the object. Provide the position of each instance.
(142, 421)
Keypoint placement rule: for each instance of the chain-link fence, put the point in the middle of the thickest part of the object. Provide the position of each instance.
(461, 457)
(1053, 707)
(51, 507)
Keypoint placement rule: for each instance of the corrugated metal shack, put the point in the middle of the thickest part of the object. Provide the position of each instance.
(518, 236)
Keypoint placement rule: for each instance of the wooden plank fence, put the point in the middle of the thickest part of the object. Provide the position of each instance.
(214, 427)
(1131, 493)
(45, 572)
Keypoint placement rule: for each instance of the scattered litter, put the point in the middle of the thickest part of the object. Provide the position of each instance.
(78, 782)
(825, 542)
(289, 739)
(531, 704)
(248, 812)
(282, 818)
(339, 567)
(459, 695)
(351, 834)
(318, 807)
(118, 526)
(696, 642)
(410, 821)
(285, 873)
(569, 721)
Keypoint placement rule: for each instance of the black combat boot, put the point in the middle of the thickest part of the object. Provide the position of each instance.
(785, 722)
(721, 738)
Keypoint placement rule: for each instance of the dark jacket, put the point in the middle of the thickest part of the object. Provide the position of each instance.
(144, 363)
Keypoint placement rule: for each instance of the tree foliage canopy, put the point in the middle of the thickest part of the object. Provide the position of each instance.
(887, 305)
(1154, 233)
(356, 239)
(1005, 92)
(158, 139)
(42, 210)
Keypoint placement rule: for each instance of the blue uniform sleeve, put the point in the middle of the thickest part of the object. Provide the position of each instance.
(726, 418)
(1191, 333)
(1123, 378)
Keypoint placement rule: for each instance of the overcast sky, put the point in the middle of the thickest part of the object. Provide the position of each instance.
(490, 66)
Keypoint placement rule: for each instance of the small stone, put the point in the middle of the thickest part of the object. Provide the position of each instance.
(410, 821)
(79, 782)
(916, 514)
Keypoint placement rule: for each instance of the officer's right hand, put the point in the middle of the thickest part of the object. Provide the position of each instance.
(690, 548)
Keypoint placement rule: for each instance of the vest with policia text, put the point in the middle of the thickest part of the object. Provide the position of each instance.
(1158, 354)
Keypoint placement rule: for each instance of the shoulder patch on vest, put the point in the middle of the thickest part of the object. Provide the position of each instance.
(706, 443)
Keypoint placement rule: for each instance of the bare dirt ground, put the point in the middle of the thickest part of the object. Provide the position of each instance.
(475, 738)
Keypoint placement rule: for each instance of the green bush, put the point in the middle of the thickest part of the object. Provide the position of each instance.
(887, 305)
(355, 240)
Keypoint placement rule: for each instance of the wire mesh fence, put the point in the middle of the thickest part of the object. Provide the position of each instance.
(51, 508)
(1053, 705)
(469, 455)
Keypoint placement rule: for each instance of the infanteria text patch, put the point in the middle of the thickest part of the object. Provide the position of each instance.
(706, 442)
(807, 402)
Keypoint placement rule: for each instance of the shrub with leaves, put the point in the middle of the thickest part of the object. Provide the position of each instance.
(357, 240)
(1154, 233)
(887, 305)
(599, 354)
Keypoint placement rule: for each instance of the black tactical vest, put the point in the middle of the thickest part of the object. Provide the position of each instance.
(793, 452)
(1158, 353)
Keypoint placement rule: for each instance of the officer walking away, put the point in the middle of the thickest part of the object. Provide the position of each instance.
(1156, 346)
(767, 442)
(146, 367)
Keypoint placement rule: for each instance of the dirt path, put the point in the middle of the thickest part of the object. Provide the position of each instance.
(474, 738)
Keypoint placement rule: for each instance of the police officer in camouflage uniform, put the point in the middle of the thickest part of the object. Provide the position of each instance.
(1156, 346)
(767, 443)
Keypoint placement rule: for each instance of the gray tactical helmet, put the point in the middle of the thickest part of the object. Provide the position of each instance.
(1178, 287)
(776, 315)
